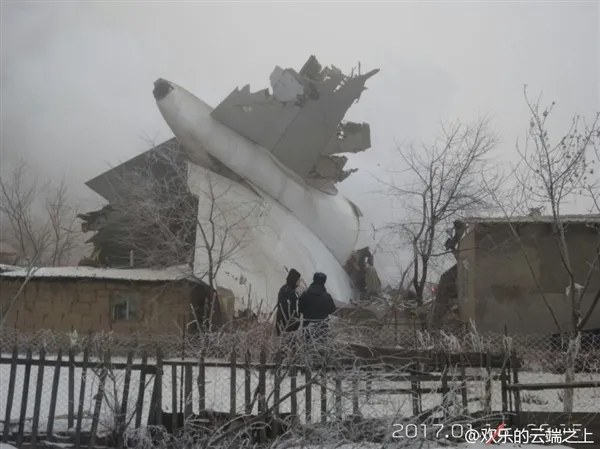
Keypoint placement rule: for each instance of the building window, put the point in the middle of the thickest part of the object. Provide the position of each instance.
(124, 307)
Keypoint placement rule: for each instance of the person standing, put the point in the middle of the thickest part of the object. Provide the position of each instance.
(287, 319)
(315, 306)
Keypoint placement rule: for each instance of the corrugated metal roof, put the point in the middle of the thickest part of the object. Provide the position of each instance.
(581, 218)
(125, 274)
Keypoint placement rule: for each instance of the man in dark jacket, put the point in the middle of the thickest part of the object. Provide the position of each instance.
(316, 305)
(287, 304)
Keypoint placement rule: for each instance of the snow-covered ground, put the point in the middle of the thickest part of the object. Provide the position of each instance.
(217, 395)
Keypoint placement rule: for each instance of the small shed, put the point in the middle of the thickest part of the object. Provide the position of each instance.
(87, 299)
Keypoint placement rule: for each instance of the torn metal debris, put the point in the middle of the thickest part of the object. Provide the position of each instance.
(301, 120)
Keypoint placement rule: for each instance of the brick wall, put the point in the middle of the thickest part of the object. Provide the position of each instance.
(86, 305)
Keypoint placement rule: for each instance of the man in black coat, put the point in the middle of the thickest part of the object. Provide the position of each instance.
(316, 305)
(287, 304)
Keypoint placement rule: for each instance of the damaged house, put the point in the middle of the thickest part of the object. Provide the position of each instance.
(125, 235)
(505, 279)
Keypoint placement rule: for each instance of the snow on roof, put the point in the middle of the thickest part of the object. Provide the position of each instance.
(126, 274)
(581, 218)
(5, 267)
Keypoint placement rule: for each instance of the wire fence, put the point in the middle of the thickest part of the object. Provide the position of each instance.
(420, 374)
(541, 359)
(538, 353)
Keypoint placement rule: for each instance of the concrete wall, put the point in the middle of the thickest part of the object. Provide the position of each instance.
(506, 276)
(74, 304)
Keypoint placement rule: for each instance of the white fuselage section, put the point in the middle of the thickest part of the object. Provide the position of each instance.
(331, 218)
(261, 240)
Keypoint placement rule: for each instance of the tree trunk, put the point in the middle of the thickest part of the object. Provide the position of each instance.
(209, 309)
(572, 351)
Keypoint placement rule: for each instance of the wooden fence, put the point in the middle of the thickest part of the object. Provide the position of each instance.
(188, 382)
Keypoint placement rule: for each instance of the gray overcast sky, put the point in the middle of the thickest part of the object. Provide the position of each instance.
(77, 76)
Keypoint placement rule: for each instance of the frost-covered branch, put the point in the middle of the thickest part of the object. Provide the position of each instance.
(440, 182)
(551, 175)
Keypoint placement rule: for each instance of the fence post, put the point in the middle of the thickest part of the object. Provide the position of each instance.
(71, 410)
(293, 388)
(323, 397)
(414, 388)
(509, 371)
(488, 383)
(53, 395)
(355, 389)
(189, 381)
(155, 414)
(463, 385)
(174, 420)
(338, 397)
(139, 404)
(10, 393)
(368, 386)
(24, 398)
(122, 418)
(415, 392)
(515, 365)
(38, 399)
(201, 383)
(248, 383)
(232, 384)
(262, 393)
(444, 368)
(277, 391)
(86, 356)
(421, 367)
(396, 324)
(308, 395)
(99, 397)
(182, 370)
(503, 388)
(159, 383)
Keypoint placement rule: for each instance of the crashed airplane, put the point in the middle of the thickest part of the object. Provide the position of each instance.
(281, 150)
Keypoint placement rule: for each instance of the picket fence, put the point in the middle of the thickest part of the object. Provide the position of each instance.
(415, 367)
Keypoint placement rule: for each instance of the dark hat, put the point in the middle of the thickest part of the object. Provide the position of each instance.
(320, 278)
(293, 277)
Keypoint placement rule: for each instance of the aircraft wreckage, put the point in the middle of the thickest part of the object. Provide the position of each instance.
(281, 149)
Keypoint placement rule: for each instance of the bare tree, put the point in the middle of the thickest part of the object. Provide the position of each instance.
(39, 221)
(169, 213)
(400, 301)
(442, 181)
(550, 176)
